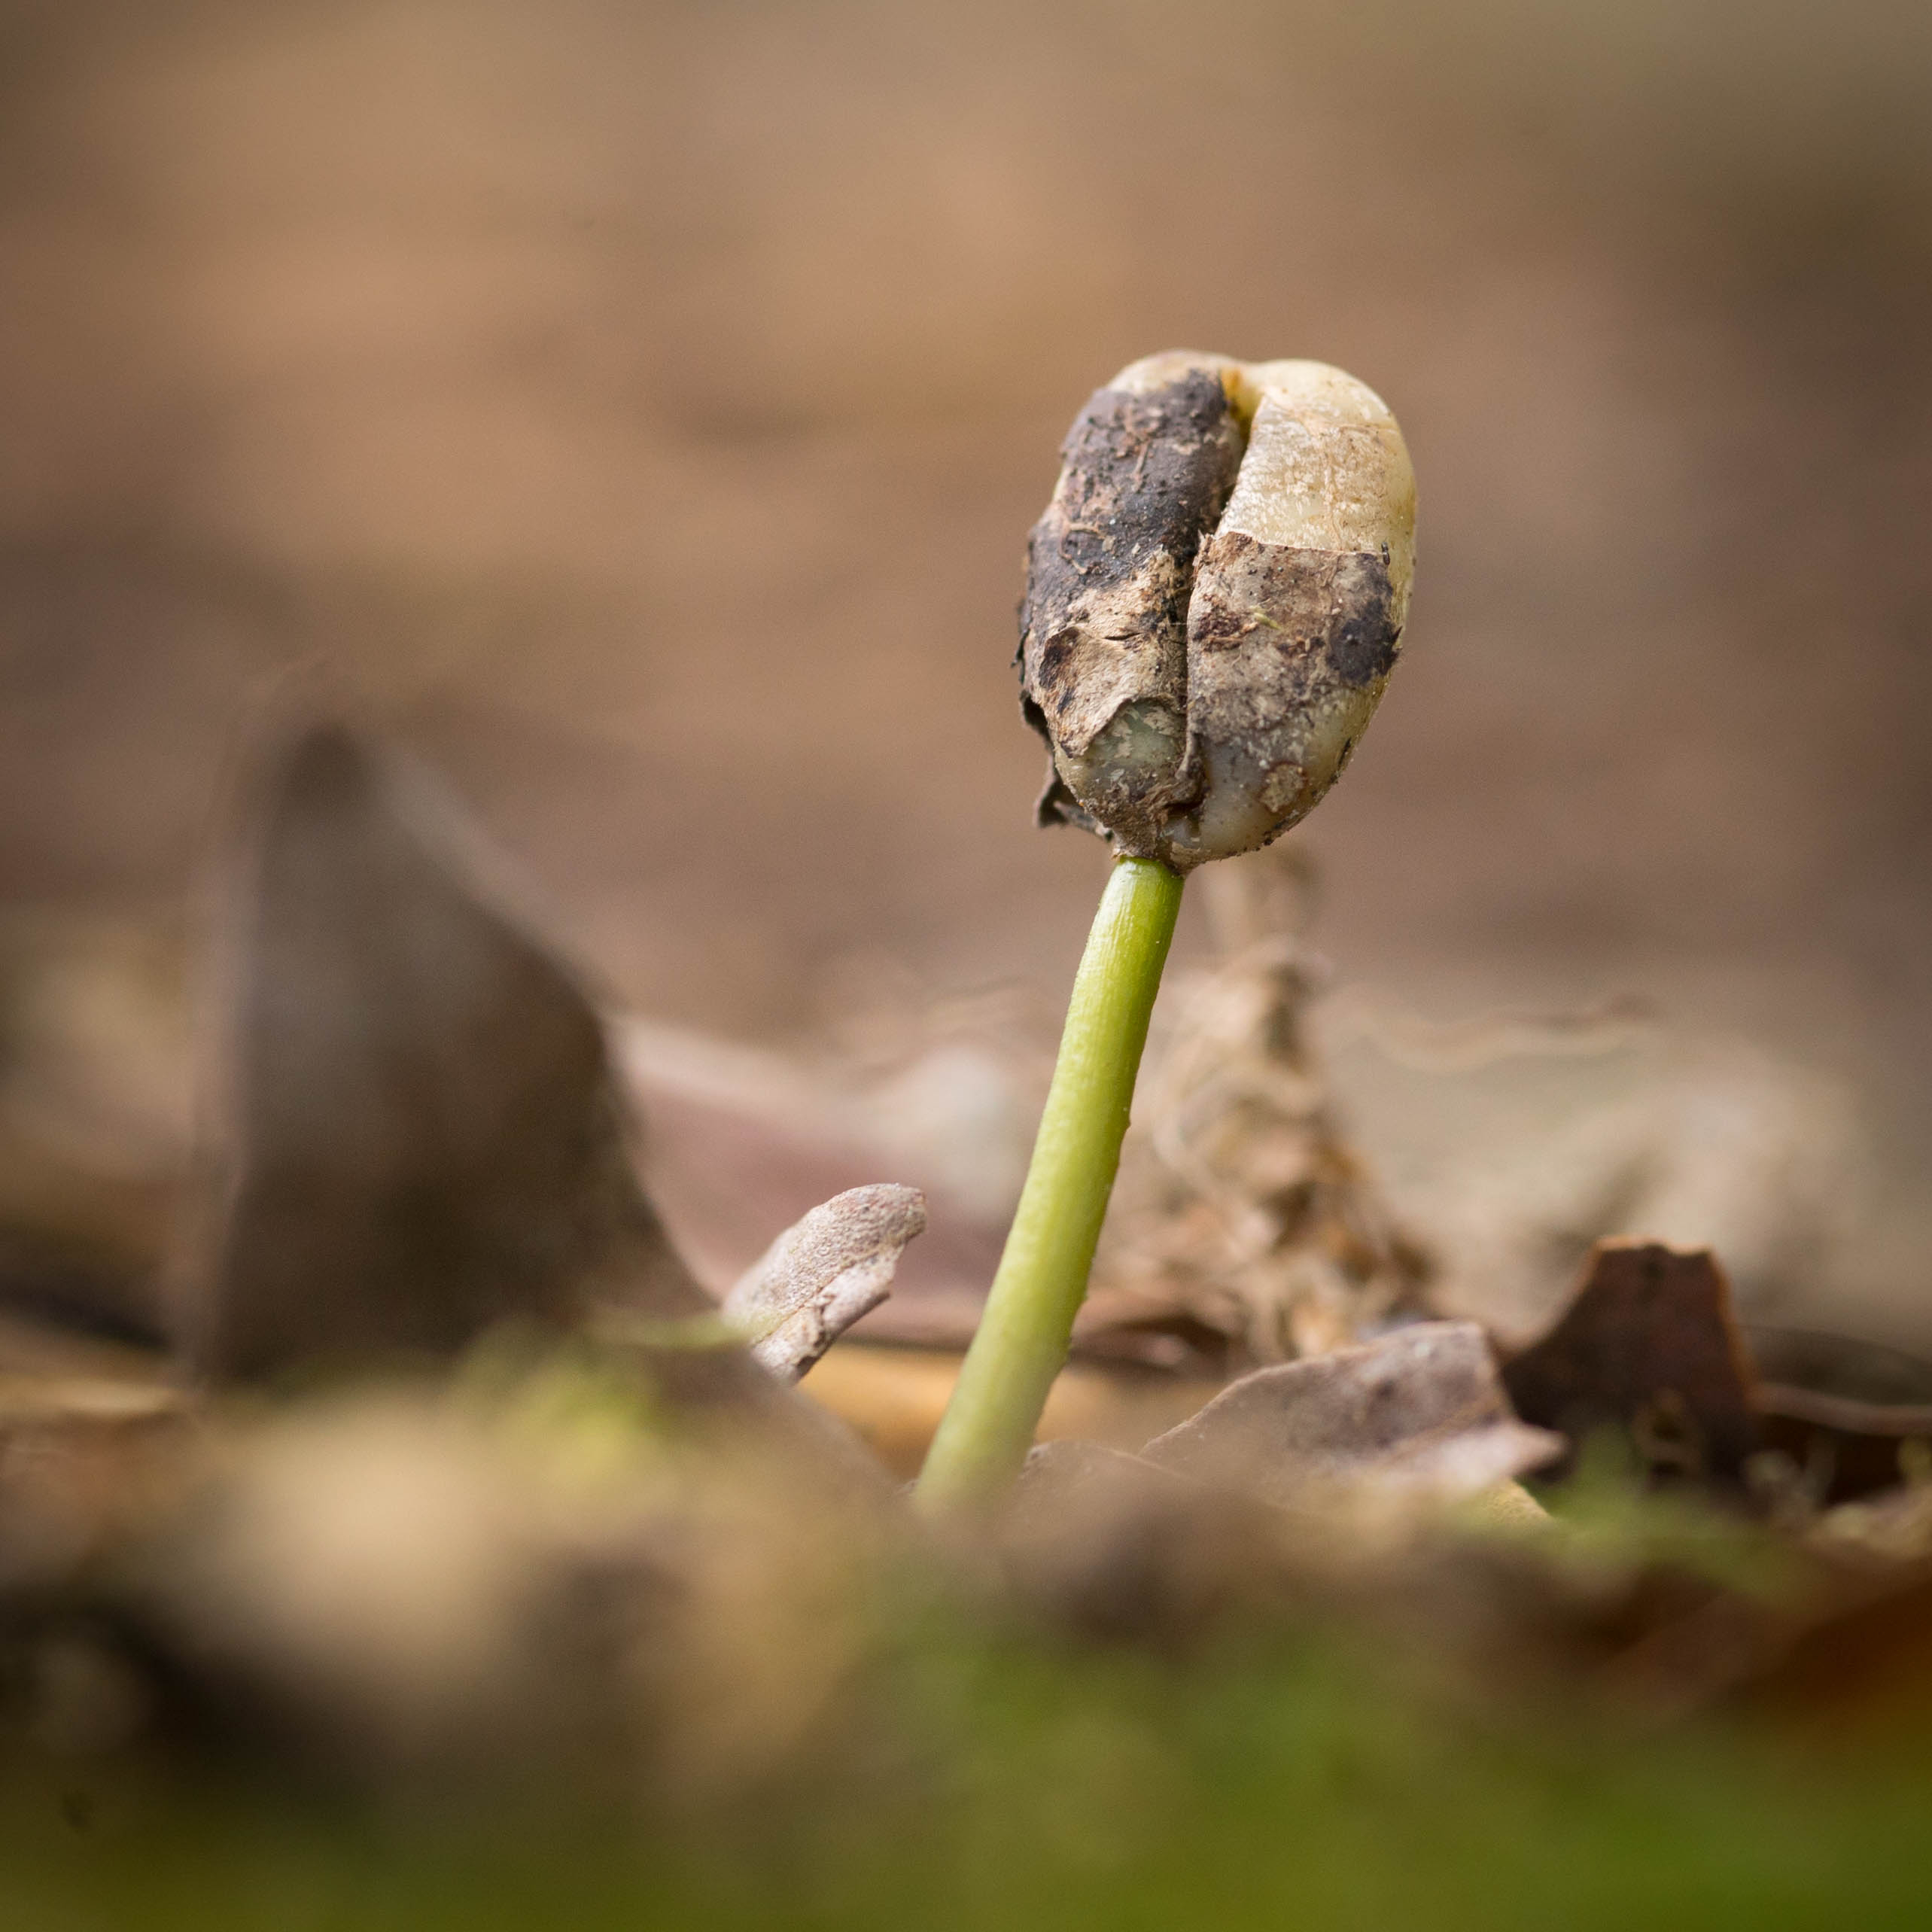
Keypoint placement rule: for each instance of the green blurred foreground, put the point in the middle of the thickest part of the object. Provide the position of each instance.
(1295, 1788)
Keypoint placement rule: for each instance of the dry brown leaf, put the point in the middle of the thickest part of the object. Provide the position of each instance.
(1421, 1410)
(1649, 1345)
(1246, 1228)
(425, 1137)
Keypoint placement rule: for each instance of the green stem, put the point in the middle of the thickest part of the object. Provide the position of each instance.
(1023, 1337)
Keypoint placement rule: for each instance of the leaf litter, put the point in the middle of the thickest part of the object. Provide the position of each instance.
(452, 1484)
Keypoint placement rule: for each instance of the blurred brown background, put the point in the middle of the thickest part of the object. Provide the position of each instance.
(639, 409)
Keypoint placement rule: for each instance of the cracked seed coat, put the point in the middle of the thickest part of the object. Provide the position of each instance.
(1215, 599)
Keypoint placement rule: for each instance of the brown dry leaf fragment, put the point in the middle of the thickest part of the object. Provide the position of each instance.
(1421, 1410)
(426, 1136)
(1246, 1228)
(1650, 1345)
(822, 1273)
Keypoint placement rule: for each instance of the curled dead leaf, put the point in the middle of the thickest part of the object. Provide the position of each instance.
(824, 1273)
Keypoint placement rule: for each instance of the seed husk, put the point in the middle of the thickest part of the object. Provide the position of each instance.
(1216, 600)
